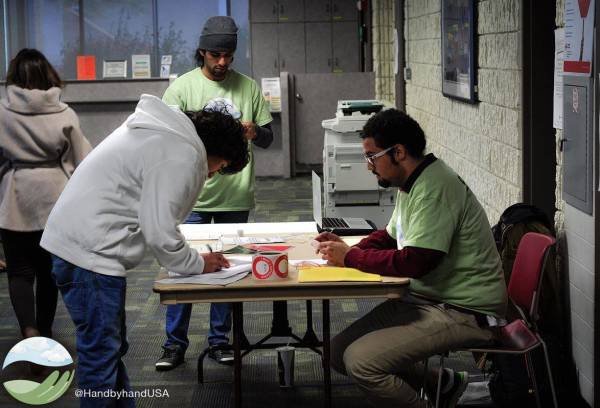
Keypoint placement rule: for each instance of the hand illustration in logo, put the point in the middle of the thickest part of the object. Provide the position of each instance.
(45, 352)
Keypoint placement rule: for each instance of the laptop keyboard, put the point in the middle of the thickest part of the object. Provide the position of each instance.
(334, 223)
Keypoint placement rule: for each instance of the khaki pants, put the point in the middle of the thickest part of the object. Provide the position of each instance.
(382, 352)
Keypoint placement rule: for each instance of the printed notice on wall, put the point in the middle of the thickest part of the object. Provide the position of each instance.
(140, 66)
(396, 50)
(271, 89)
(579, 37)
(86, 67)
(559, 53)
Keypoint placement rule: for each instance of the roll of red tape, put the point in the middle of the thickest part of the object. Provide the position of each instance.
(270, 265)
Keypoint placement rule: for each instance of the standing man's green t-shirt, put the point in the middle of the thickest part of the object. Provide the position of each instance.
(240, 94)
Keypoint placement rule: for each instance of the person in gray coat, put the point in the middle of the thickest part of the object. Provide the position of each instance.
(41, 144)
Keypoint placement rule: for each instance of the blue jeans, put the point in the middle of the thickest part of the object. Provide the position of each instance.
(178, 316)
(96, 304)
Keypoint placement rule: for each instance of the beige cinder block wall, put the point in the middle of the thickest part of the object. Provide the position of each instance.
(482, 142)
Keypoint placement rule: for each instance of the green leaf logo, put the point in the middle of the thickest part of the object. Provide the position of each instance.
(45, 352)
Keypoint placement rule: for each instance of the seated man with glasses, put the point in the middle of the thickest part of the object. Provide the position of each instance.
(439, 237)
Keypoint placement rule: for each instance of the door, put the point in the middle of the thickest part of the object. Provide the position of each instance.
(292, 53)
(316, 100)
(577, 149)
(317, 10)
(291, 10)
(345, 47)
(318, 47)
(264, 50)
(344, 10)
(264, 11)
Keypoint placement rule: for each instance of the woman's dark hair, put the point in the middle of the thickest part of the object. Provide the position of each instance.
(31, 70)
(390, 127)
(223, 137)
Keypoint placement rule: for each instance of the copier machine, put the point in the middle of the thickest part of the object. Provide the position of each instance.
(350, 189)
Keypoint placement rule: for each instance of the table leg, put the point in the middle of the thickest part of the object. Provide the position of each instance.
(244, 343)
(310, 337)
(281, 325)
(238, 318)
(326, 355)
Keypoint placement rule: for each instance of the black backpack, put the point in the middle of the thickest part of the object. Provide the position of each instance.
(509, 383)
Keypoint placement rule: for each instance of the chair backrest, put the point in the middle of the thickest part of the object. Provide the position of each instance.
(527, 270)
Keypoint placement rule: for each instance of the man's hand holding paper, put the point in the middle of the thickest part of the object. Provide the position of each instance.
(214, 262)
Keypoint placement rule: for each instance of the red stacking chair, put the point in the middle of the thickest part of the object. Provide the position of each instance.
(520, 336)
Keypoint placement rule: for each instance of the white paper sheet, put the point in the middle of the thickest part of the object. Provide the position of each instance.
(559, 54)
(235, 240)
(223, 278)
(308, 262)
(240, 267)
(271, 90)
(579, 37)
(140, 66)
(215, 231)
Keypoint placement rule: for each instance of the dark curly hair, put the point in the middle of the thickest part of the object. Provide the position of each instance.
(390, 127)
(30, 69)
(223, 137)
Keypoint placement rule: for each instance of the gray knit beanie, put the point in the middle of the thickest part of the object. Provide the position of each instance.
(219, 34)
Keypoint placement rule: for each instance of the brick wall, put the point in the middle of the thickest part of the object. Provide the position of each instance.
(383, 49)
(482, 142)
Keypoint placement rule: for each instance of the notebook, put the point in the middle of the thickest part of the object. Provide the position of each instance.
(339, 226)
(335, 274)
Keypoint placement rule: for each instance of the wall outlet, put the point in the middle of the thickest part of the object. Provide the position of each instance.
(407, 74)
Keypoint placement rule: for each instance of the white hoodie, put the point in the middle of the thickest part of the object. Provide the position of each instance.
(130, 192)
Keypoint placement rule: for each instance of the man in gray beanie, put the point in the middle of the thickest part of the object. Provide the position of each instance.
(219, 34)
(224, 198)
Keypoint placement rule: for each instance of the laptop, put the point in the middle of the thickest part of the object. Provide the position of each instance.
(339, 226)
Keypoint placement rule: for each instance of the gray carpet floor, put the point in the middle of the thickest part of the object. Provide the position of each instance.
(277, 200)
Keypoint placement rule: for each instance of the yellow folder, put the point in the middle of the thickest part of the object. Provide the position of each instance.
(335, 274)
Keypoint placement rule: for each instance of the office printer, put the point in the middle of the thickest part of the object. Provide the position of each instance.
(350, 189)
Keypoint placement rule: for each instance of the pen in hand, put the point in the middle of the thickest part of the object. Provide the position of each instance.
(214, 261)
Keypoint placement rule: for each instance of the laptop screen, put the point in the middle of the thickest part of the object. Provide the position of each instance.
(316, 190)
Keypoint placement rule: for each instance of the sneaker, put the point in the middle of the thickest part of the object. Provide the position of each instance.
(224, 357)
(171, 358)
(450, 398)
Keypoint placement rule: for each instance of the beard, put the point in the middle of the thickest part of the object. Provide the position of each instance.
(218, 73)
(381, 181)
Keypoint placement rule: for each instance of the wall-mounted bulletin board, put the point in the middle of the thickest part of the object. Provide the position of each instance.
(458, 50)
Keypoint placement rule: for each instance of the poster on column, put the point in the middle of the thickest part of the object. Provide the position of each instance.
(579, 37)
(271, 90)
(559, 54)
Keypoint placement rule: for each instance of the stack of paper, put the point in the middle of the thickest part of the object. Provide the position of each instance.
(335, 274)
(240, 267)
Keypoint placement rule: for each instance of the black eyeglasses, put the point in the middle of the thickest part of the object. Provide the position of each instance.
(370, 158)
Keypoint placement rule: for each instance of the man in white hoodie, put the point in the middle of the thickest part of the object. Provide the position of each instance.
(130, 194)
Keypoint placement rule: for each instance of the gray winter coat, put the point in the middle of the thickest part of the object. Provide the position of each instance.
(40, 146)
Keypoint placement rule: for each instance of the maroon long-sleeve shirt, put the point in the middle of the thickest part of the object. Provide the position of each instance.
(378, 253)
